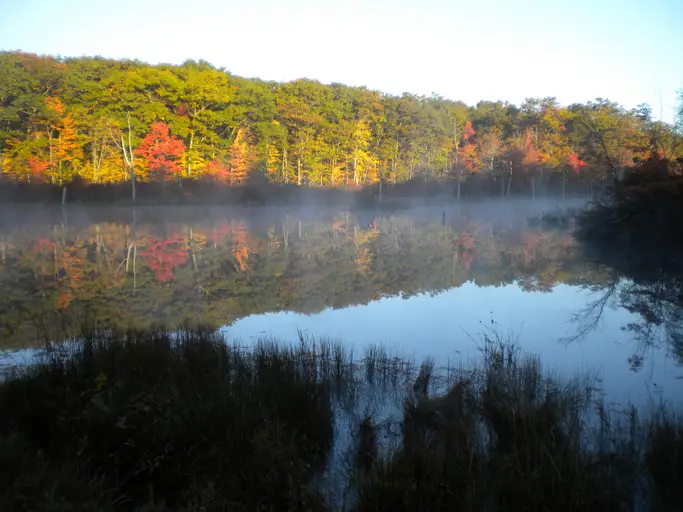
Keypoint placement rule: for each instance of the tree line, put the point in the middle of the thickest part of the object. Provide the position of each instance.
(115, 121)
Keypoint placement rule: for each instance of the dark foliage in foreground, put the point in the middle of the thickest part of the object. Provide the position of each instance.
(161, 421)
(510, 438)
(142, 419)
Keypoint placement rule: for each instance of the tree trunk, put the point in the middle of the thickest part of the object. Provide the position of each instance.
(355, 167)
(132, 159)
(189, 155)
(284, 165)
(135, 251)
(135, 273)
(98, 246)
(132, 182)
(192, 251)
(55, 267)
(95, 170)
(50, 157)
(63, 195)
(128, 156)
(394, 164)
(459, 173)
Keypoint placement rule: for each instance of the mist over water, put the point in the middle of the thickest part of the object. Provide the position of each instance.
(424, 281)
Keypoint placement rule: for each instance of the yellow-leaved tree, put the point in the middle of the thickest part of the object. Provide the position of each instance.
(274, 164)
(362, 160)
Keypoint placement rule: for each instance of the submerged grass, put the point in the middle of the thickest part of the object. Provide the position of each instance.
(184, 421)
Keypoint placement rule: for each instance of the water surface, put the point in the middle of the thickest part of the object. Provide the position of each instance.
(426, 282)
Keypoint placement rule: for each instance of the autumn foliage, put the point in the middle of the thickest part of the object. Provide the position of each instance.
(530, 153)
(105, 121)
(218, 171)
(469, 132)
(575, 163)
(162, 151)
(163, 256)
(38, 169)
(239, 159)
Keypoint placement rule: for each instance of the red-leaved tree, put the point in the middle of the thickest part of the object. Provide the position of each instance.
(468, 153)
(531, 157)
(38, 168)
(162, 151)
(575, 163)
(163, 256)
(468, 132)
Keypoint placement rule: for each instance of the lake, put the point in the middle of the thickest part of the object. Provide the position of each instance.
(428, 281)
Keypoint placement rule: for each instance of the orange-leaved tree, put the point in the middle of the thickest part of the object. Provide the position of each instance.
(216, 170)
(468, 152)
(162, 152)
(65, 149)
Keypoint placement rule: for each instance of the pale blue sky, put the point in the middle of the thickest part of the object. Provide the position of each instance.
(630, 51)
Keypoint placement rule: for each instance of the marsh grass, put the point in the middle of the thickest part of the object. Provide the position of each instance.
(120, 420)
(509, 436)
(664, 460)
(182, 420)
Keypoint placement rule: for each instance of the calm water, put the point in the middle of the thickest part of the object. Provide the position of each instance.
(428, 281)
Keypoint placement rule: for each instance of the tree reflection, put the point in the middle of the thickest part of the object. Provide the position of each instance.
(145, 267)
(647, 281)
(588, 318)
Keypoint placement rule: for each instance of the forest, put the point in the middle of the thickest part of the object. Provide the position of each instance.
(102, 121)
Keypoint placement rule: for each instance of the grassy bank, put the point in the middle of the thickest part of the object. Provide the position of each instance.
(182, 421)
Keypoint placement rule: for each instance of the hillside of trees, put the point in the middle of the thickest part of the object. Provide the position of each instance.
(106, 121)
